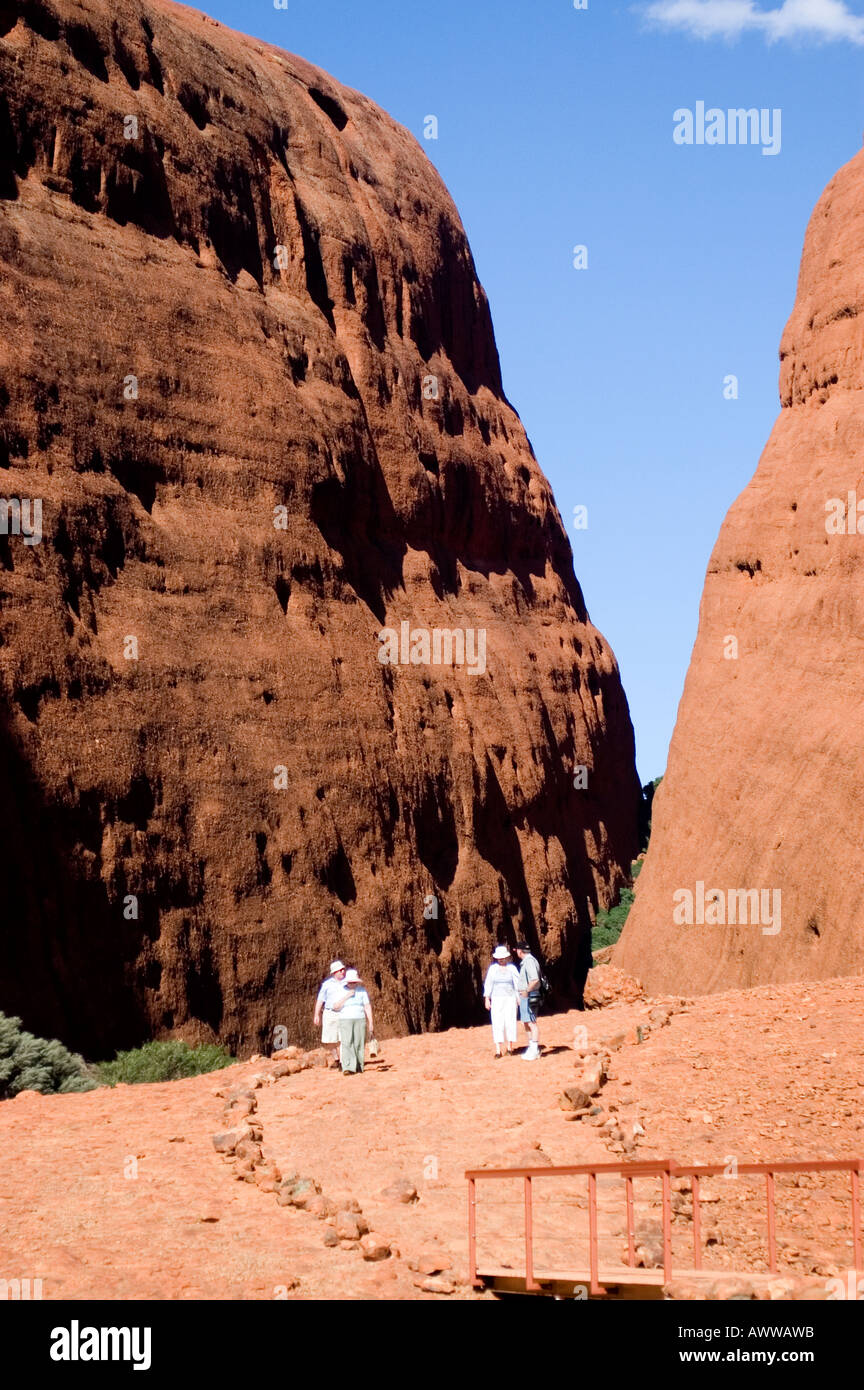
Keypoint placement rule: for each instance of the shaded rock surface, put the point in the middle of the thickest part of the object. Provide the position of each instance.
(228, 284)
(763, 786)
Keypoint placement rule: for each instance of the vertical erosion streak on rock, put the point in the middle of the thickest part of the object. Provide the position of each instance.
(763, 788)
(251, 374)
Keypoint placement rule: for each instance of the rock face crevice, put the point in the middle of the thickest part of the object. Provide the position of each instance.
(250, 374)
(763, 787)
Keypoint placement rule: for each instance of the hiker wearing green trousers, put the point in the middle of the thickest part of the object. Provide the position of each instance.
(355, 1016)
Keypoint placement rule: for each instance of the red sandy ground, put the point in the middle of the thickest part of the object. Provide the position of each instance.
(775, 1072)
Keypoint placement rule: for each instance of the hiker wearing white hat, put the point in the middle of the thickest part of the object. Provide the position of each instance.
(330, 989)
(501, 996)
(355, 1015)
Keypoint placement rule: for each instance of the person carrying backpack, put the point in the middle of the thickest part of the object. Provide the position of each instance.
(532, 990)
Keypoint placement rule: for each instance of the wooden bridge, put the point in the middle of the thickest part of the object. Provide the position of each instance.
(581, 1269)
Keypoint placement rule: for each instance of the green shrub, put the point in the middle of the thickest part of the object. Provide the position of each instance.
(28, 1063)
(163, 1061)
(647, 811)
(609, 924)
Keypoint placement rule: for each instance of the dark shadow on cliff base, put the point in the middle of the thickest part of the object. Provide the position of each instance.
(62, 944)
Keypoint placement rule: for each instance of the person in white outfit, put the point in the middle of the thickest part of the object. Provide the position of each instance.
(331, 989)
(501, 996)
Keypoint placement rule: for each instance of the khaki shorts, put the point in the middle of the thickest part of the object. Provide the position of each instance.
(329, 1027)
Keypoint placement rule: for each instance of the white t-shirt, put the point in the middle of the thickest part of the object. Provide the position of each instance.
(501, 981)
(529, 974)
(330, 989)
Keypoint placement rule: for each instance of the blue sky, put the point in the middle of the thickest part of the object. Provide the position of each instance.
(556, 130)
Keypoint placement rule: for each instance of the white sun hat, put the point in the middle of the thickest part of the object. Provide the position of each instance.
(352, 978)
(501, 953)
(337, 965)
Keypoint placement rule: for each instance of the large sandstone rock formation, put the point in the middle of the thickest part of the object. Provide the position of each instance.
(764, 782)
(249, 371)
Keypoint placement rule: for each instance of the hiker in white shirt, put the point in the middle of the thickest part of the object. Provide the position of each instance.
(330, 990)
(501, 996)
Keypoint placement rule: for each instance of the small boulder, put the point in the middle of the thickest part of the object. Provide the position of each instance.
(637, 1034)
(533, 1158)
(304, 1192)
(347, 1204)
(684, 1289)
(779, 1289)
(649, 1255)
(402, 1190)
(649, 1245)
(296, 1191)
(243, 1105)
(732, 1289)
(442, 1286)
(350, 1225)
(249, 1149)
(267, 1176)
(226, 1142)
(574, 1098)
(318, 1057)
(233, 1094)
(430, 1262)
(321, 1207)
(592, 1077)
(373, 1248)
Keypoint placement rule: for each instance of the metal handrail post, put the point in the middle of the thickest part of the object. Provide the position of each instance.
(667, 1223)
(472, 1234)
(697, 1223)
(592, 1233)
(530, 1282)
(631, 1223)
(772, 1231)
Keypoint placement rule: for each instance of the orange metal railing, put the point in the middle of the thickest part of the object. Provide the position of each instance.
(665, 1169)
